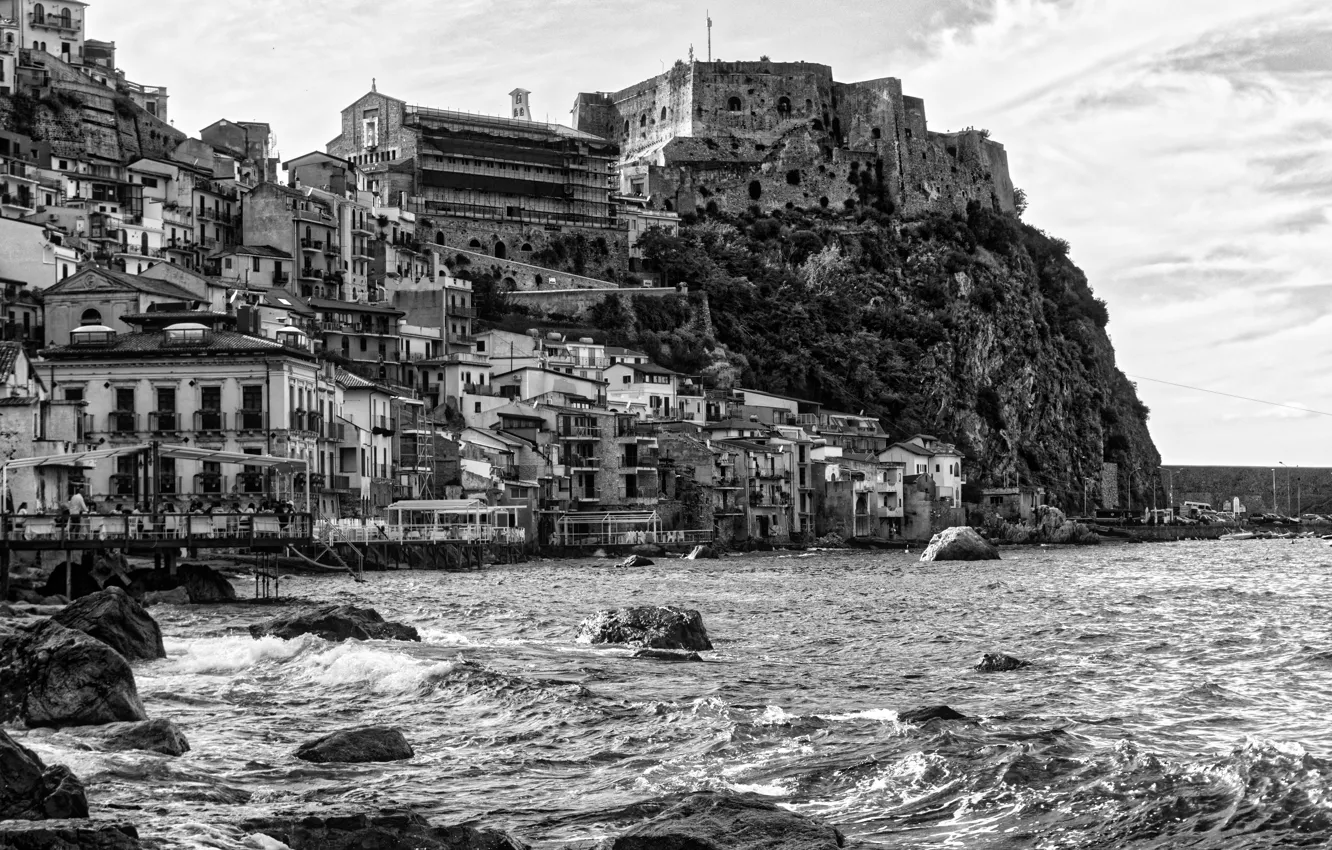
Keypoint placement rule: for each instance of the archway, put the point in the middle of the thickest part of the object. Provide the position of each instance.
(475, 243)
(439, 237)
(90, 317)
(784, 107)
(733, 105)
(501, 251)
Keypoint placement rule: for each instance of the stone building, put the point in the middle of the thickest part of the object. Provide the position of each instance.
(786, 133)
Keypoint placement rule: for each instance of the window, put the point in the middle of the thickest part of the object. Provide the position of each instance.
(480, 346)
(124, 399)
(784, 106)
(73, 393)
(226, 262)
(663, 113)
(256, 264)
(363, 343)
(148, 182)
(477, 408)
(90, 317)
(936, 467)
(733, 105)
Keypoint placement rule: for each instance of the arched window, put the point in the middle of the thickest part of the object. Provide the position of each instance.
(143, 244)
(809, 106)
(642, 120)
(626, 126)
(784, 106)
(90, 317)
(527, 246)
(64, 18)
(439, 237)
(733, 105)
(501, 251)
(475, 243)
(663, 113)
(38, 13)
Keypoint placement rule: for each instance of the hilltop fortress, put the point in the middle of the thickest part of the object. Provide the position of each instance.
(786, 134)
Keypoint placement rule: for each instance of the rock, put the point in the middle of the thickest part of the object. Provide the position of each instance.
(928, 713)
(651, 550)
(157, 736)
(179, 596)
(1047, 520)
(68, 835)
(960, 543)
(635, 561)
(385, 830)
(84, 582)
(51, 675)
(118, 621)
(204, 584)
(997, 662)
(667, 655)
(656, 628)
(722, 821)
(364, 743)
(335, 623)
(148, 580)
(29, 790)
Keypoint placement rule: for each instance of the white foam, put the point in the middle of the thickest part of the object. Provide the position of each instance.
(886, 715)
(771, 789)
(775, 714)
(445, 638)
(230, 654)
(373, 668)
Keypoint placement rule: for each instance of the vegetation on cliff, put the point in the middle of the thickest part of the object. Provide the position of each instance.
(977, 328)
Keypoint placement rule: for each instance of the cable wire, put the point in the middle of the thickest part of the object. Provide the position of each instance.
(1231, 395)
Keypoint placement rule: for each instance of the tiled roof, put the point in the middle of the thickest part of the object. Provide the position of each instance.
(746, 445)
(254, 251)
(913, 448)
(9, 353)
(138, 283)
(352, 307)
(17, 401)
(201, 316)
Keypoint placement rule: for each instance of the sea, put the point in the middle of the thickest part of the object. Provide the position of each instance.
(1178, 695)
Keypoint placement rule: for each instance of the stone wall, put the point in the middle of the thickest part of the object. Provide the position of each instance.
(521, 240)
(524, 276)
(574, 302)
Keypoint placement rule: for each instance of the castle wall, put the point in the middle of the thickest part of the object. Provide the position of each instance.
(462, 232)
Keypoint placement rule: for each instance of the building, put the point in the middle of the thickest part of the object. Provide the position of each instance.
(303, 226)
(248, 141)
(54, 26)
(927, 455)
(737, 134)
(100, 297)
(21, 159)
(500, 181)
(33, 424)
(645, 389)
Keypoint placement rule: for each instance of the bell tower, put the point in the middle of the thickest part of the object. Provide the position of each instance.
(521, 102)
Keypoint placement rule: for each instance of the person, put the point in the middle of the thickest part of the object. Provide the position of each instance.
(77, 508)
(19, 520)
(249, 509)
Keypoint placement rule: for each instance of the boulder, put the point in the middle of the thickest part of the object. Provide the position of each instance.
(335, 623)
(1047, 519)
(68, 835)
(156, 736)
(721, 821)
(179, 596)
(960, 543)
(928, 713)
(364, 743)
(386, 830)
(635, 561)
(997, 662)
(29, 790)
(84, 582)
(115, 619)
(667, 655)
(51, 675)
(204, 584)
(653, 627)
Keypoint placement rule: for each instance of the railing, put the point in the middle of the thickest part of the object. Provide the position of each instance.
(308, 273)
(281, 278)
(122, 422)
(583, 462)
(312, 244)
(629, 538)
(18, 169)
(251, 420)
(239, 529)
(338, 483)
(728, 484)
(317, 216)
(583, 431)
(460, 312)
(55, 22)
(210, 421)
(368, 531)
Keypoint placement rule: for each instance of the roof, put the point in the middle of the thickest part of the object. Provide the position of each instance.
(649, 368)
(552, 371)
(748, 446)
(318, 155)
(146, 285)
(9, 355)
(283, 299)
(254, 251)
(618, 351)
(508, 415)
(911, 447)
(152, 344)
(351, 307)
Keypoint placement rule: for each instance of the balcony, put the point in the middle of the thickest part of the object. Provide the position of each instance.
(312, 245)
(251, 420)
(316, 216)
(582, 432)
(460, 312)
(728, 484)
(338, 484)
(209, 483)
(164, 422)
(56, 22)
(333, 249)
(21, 170)
(281, 278)
(583, 462)
(122, 422)
(210, 421)
(19, 201)
(308, 273)
(461, 339)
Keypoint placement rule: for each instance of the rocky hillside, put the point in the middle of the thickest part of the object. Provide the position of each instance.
(976, 328)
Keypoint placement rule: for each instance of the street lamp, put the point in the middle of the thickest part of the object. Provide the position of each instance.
(1171, 493)
(1274, 504)
(1287, 468)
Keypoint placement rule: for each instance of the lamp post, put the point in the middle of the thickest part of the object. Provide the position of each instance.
(1287, 468)
(1170, 495)
(1274, 504)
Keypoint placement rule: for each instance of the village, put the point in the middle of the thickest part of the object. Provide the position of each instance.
(175, 292)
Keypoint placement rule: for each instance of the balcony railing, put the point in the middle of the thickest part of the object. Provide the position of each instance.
(210, 421)
(583, 462)
(312, 244)
(122, 422)
(338, 484)
(589, 431)
(56, 22)
(160, 421)
(281, 278)
(460, 312)
(251, 420)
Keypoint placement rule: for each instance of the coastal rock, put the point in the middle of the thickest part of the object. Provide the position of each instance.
(385, 830)
(83, 581)
(204, 584)
(928, 713)
(702, 552)
(51, 675)
(335, 623)
(364, 743)
(158, 736)
(997, 662)
(179, 596)
(29, 790)
(635, 561)
(721, 821)
(118, 621)
(667, 655)
(652, 627)
(651, 550)
(68, 835)
(1048, 520)
(960, 543)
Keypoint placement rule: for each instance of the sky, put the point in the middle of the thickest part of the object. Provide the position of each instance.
(1183, 148)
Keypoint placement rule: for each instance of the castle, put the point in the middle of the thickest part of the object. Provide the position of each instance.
(786, 134)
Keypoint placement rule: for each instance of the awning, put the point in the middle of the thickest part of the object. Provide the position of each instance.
(282, 464)
(72, 459)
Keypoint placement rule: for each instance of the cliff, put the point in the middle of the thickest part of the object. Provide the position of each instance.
(978, 329)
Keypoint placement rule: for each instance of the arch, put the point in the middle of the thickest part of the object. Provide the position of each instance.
(509, 284)
(307, 231)
(626, 126)
(501, 250)
(475, 243)
(876, 133)
(64, 18)
(734, 104)
(642, 120)
(817, 125)
(439, 237)
(809, 106)
(527, 246)
(38, 13)
(784, 106)
(90, 317)
(663, 113)
(143, 244)
(537, 280)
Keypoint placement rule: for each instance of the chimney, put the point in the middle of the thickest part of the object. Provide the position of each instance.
(522, 104)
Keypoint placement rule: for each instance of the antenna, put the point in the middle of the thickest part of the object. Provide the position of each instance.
(709, 35)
